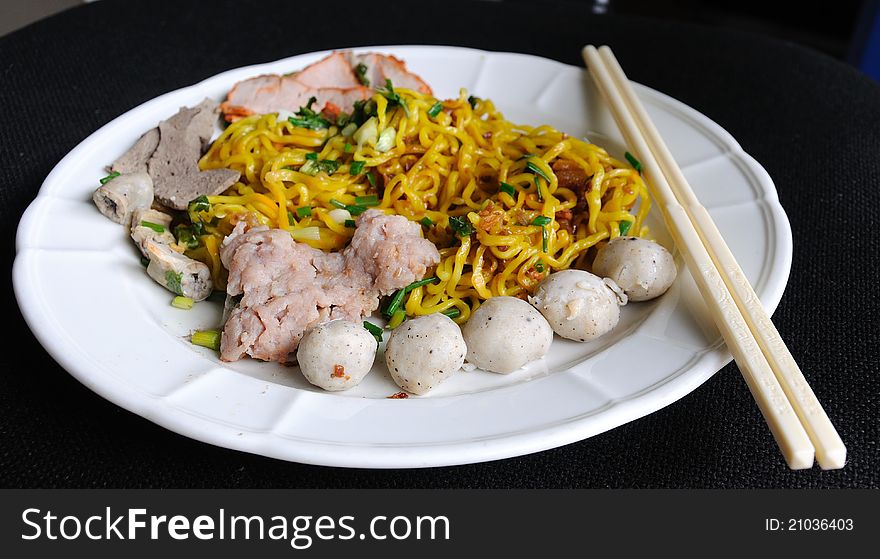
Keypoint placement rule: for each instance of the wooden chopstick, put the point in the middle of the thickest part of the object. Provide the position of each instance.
(830, 450)
(790, 435)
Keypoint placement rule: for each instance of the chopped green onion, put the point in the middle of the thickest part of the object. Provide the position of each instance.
(305, 211)
(397, 319)
(306, 234)
(361, 71)
(541, 220)
(185, 236)
(435, 109)
(109, 177)
(392, 96)
(356, 168)
(451, 312)
(353, 210)
(532, 168)
(309, 168)
(539, 266)
(419, 283)
(312, 156)
(347, 131)
(154, 226)
(509, 189)
(371, 200)
(363, 110)
(372, 179)
(199, 204)
(633, 161)
(624, 227)
(374, 330)
(350, 223)
(397, 298)
(173, 280)
(342, 119)
(461, 226)
(290, 218)
(309, 118)
(538, 188)
(206, 338)
(181, 302)
(545, 238)
(347, 148)
(386, 140)
(473, 101)
(426, 221)
(394, 303)
(329, 166)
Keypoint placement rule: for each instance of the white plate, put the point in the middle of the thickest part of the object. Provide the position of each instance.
(84, 293)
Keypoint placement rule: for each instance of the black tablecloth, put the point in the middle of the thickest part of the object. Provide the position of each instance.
(811, 121)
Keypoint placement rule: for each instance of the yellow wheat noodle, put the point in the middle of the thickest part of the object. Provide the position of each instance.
(440, 165)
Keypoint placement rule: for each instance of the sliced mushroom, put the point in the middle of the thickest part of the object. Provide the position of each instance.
(119, 197)
(148, 224)
(178, 273)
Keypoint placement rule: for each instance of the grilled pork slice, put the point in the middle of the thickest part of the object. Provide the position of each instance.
(287, 287)
(380, 67)
(332, 81)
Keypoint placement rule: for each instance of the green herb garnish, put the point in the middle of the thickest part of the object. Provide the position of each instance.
(305, 211)
(313, 166)
(435, 109)
(309, 118)
(206, 338)
(350, 223)
(451, 312)
(109, 177)
(426, 221)
(357, 167)
(633, 161)
(154, 226)
(397, 298)
(185, 236)
(509, 189)
(541, 220)
(173, 280)
(181, 302)
(534, 169)
(361, 71)
(393, 97)
(374, 330)
(397, 319)
(624, 227)
(461, 225)
(371, 200)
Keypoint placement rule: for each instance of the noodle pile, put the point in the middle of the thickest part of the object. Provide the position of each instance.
(483, 188)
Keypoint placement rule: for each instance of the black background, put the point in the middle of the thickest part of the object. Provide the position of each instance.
(812, 122)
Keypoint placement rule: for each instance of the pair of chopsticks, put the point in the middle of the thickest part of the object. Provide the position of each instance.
(795, 417)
